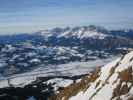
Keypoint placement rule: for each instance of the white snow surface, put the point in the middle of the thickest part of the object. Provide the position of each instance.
(69, 69)
(108, 82)
(80, 33)
(59, 82)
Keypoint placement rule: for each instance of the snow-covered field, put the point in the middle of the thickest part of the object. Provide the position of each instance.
(69, 69)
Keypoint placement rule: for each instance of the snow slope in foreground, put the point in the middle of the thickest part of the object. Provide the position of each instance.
(115, 82)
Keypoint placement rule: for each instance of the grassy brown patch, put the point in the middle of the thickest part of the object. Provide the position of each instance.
(75, 88)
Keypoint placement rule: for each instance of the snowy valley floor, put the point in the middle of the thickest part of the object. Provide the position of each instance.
(43, 82)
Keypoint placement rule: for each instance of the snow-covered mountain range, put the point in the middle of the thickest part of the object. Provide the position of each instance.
(82, 32)
(24, 52)
(77, 32)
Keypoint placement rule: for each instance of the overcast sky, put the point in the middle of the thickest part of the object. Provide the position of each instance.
(33, 15)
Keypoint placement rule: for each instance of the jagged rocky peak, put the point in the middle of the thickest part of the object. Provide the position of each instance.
(78, 32)
(114, 81)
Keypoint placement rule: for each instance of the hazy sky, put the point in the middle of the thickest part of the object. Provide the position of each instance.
(33, 15)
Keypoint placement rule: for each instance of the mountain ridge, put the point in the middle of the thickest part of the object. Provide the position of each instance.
(114, 81)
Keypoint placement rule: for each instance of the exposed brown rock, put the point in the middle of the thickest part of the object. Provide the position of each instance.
(124, 89)
(126, 75)
(130, 98)
(73, 89)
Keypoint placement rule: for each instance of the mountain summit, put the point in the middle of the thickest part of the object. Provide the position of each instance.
(77, 32)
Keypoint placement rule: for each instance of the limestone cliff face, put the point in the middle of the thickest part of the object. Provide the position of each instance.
(114, 81)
